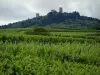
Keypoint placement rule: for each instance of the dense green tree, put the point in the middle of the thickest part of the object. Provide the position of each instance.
(55, 17)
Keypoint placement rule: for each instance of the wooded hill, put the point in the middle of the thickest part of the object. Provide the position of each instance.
(58, 20)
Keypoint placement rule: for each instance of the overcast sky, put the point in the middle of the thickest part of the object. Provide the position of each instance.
(17, 10)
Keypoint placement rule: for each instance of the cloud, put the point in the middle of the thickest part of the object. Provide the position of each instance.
(15, 10)
(12, 10)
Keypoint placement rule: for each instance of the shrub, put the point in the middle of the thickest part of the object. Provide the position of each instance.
(37, 31)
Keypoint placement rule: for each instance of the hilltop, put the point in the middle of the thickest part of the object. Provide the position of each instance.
(58, 20)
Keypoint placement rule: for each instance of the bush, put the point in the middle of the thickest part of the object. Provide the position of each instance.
(37, 31)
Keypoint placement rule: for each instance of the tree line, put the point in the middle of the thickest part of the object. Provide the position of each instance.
(73, 18)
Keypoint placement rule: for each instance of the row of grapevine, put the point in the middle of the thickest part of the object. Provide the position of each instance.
(45, 39)
(79, 36)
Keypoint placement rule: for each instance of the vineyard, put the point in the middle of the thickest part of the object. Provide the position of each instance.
(60, 53)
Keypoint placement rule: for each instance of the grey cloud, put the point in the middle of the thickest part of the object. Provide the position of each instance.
(85, 7)
(14, 11)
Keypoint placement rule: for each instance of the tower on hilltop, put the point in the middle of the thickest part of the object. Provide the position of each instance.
(60, 9)
(37, 15)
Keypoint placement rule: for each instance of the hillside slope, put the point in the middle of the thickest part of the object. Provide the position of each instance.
(57, 19)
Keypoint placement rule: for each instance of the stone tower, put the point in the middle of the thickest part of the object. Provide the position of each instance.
(37, 15)
(60, 9)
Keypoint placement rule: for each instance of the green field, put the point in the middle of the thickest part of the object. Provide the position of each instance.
(73, 33)
(60, 53)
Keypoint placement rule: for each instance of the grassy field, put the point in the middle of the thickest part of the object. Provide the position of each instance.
(60, 53)
(74, 33)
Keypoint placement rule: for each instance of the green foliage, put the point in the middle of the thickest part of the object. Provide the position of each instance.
(57, 19)
(61, 53)
(49, 39)
(44, 59)
(37, 31)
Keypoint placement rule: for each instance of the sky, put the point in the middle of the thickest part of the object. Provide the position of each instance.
(17, 10)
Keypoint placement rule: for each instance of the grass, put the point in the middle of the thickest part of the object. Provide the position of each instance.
(74, 33)
(61, 53)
